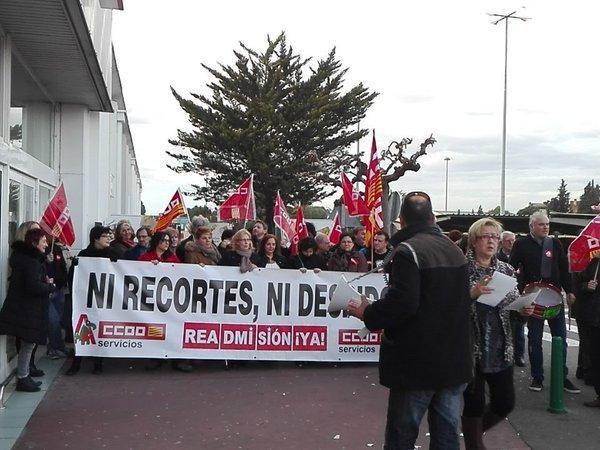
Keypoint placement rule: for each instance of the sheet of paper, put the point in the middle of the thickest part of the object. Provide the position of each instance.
(341, 295)
(522, 301)
(501, 284)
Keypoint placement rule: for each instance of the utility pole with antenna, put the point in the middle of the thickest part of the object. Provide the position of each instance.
(505, 18)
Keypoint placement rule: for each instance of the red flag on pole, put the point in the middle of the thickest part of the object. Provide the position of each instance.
(240, 205)
(373, 194)
(56, 220)
(352, 199)
(282, 219)
(174, 209)
(585, 247)
(336, 230)
(300, 233)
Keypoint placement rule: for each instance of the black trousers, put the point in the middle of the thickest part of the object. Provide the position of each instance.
(502, 393)
(594, 348)
(584, 357)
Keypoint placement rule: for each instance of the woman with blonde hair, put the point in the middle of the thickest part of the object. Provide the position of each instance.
(242, 255)
(123, 240)
(493, 343)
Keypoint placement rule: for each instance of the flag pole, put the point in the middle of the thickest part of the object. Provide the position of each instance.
(596, 274)
(371, 218)
(248, 201)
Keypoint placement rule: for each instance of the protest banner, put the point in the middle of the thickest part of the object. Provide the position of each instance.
(137, 309)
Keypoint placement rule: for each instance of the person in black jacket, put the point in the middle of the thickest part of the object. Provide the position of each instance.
(143, 235)
(99, 247)
(242, 255)
(307, 257)
(528, 255)
(25, 310)
(56, 268)
(426, 349)
(587, 309)
(269, 253)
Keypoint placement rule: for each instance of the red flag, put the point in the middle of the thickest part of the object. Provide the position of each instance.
(56, 220)
(240, 205)
(336, 230)
(585, 247)
(174, 209)
(300, 233)
(373, 194)
(352, 199)
(282, 219)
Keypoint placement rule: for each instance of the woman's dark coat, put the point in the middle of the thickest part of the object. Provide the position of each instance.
(25, 310)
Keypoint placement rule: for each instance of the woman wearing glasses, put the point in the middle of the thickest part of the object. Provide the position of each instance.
(346, 258)
(493, 343)
(160, 249)
(242, 255)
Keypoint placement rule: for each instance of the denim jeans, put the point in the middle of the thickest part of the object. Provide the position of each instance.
(24, 358)
(405, 412)
(535, 332)
(519, 337)
(55, 315)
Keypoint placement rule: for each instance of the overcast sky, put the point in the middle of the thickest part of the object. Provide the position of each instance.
(438, 67)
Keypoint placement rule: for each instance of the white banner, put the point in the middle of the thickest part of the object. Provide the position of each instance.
(140, 310)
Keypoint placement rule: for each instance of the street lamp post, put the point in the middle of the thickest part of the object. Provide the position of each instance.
(447, 159)
(506, 18)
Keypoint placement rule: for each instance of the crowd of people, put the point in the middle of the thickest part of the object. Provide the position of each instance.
(37, 310)
(439, 343)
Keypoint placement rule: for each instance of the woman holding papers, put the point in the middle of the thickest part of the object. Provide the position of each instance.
(493, 343)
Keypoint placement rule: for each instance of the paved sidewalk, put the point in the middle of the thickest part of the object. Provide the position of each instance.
(254, 406)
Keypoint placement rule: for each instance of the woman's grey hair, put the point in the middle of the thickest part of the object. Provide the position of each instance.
(197, 222)
(321, 238)
(537, 216)
(506, 234)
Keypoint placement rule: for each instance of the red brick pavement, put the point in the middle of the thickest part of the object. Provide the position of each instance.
(254, 406)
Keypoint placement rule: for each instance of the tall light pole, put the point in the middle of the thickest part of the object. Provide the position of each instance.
(506, 18)
(447, 159)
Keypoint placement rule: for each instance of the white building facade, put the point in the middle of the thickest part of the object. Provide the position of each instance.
(62, 118)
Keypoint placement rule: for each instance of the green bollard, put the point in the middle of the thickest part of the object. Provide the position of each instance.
(557, 378)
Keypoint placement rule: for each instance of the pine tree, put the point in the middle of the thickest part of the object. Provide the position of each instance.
(274, 115)
(560, 203)
(590, 197)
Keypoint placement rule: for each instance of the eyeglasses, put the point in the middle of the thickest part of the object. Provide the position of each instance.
(417, 194)
(105, 236)
(489, 237)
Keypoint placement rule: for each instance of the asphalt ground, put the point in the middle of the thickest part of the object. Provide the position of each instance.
(261, 405)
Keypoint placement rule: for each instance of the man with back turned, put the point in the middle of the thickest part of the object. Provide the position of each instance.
(426, 354)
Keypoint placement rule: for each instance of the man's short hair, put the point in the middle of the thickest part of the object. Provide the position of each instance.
(537, 216)
(416, 209)
(142, 228)
(321, 238)
(98, 231)
(506, 234)
(356, 230)
(383, 233)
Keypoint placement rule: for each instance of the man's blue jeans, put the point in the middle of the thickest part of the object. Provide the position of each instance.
(535, 331)
(55, 314)
(405, 412)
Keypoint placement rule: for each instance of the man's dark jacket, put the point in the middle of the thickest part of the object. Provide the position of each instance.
(587, 306)
(426, 342)
(526, 256)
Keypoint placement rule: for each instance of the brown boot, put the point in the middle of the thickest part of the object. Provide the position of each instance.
(472, 428)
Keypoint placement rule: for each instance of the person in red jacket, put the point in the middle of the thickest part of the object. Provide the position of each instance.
(159, 249)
